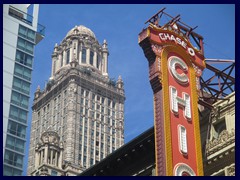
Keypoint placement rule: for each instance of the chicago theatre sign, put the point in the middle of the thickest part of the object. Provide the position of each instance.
(174, 70)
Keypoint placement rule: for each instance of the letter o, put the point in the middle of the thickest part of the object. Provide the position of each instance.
(191, 51)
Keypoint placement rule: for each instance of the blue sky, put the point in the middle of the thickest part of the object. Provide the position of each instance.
(120, 26)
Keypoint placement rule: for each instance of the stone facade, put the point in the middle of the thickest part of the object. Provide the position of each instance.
(81, 104)
(220, 145)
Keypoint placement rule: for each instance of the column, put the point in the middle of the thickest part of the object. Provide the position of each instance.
(51, 160)
(41, 156)
(64, 58)
(53, 66)
(95, 59)
(60, 59)
(71, 54)
(88, 56)
(36, 159)
(45, 153)
(58, 63)
(80, 54)
(60, 159)
(105, 63)
(56, 158)
(76, 51)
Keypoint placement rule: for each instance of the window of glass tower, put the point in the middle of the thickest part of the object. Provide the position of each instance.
(19, 99)
(9, 171)
(25, 45)
(15, 144)
(21, 85)
(83, 55)
(91, 58)
(24, 58)
(16, 129)
(13, 158)
(22, 72)
(17, 114)
(26, 33)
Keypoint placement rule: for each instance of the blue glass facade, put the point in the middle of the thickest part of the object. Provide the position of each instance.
(17, 122)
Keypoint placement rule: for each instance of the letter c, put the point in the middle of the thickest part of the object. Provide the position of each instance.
(175, 61)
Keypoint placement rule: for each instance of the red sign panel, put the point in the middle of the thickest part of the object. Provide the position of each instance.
(175, 67)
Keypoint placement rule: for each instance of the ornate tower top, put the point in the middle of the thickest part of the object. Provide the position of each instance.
(81, 30)
(80, 45)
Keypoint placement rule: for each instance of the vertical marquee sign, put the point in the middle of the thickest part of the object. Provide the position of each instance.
(174, 70)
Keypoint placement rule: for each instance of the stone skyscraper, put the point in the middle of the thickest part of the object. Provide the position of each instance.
(78, 118)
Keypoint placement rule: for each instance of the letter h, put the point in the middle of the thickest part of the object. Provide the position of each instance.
(185, 102)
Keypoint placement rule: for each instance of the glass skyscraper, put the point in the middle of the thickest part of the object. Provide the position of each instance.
(21, 32)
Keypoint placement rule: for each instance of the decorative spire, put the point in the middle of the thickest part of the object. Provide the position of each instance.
(38, 88)
(105, 45)
(120, 82)
(55, 47)
(37, 93)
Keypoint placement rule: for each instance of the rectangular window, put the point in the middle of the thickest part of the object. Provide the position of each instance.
(21, 85)
(18, 114)
(87, 94)
(109, 103)
(16, 129)
(97, 153)
(91, 57)
(26, 33)
(24, 58)
(15, 144)
(93, 97)
(9, 171)
(25, 45)
(22, 72)
(19, 99)
(84, 160)
(84, 56)
(91, 162)
(103, 100)
(13, 159)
